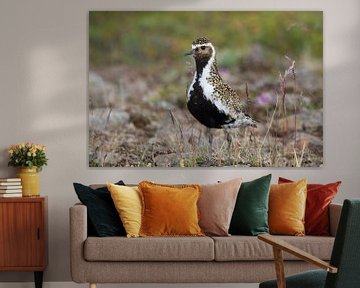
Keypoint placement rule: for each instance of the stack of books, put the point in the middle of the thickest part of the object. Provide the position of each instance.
(10, 187)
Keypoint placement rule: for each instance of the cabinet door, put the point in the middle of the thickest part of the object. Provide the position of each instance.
(21, 234)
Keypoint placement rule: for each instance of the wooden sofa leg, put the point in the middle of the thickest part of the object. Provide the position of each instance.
(92, 285)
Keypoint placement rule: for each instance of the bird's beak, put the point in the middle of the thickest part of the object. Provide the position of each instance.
(188, 53)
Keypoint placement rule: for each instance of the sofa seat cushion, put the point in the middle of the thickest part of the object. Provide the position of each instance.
(244, 248)
(149, 249)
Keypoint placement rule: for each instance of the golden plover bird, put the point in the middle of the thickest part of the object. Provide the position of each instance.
(209, 99)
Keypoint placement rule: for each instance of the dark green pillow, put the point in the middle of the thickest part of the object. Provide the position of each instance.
(103, 218)
(250, 216)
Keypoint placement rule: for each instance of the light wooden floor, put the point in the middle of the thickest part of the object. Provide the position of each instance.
(74, 285)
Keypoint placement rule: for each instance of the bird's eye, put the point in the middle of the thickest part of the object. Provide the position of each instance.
(203, 47)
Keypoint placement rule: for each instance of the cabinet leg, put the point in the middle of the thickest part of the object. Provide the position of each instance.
(38, 279)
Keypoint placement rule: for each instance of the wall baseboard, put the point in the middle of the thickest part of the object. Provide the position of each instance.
(74, 285)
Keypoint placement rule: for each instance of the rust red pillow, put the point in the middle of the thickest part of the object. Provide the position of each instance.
(319, 197)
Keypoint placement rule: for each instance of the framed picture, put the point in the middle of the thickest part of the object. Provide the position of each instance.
(205, 89)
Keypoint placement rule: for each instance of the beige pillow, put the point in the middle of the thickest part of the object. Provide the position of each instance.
(216, 206)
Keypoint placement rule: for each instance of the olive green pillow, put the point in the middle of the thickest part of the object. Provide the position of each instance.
(250, 216)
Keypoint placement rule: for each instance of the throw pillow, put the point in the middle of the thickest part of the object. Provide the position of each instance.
(216, 206)
(287, 204)
(127, 201)
(250, 215)
(319, 197)
(169, 210)
(102, 215)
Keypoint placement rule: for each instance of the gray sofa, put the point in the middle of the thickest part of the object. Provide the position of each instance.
(234, 259)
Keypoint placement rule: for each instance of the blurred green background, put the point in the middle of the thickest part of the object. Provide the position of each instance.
(143, 38)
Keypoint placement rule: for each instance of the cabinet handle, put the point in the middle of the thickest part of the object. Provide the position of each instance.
(38, 234)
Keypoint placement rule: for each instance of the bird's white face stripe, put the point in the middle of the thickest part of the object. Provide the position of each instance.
(199, 45)
(208, 90)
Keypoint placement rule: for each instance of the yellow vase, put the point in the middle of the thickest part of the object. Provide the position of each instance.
(30, 181)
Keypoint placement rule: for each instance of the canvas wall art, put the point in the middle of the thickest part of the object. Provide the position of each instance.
(205, 89)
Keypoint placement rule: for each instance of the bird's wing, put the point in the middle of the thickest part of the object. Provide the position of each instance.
(238, 101)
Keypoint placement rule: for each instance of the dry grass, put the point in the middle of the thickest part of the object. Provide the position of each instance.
(173, 138)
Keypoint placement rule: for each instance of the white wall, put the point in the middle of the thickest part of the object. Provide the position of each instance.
(43, 90)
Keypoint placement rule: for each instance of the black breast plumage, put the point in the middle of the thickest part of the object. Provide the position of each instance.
(204, 110)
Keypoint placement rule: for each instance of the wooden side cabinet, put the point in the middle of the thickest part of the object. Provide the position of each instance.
(23, 235)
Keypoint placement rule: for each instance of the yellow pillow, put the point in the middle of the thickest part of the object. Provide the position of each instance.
(287, 204)
(127, 201)
(169, 210)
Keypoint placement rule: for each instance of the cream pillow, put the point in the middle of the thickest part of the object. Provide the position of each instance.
(127, 201)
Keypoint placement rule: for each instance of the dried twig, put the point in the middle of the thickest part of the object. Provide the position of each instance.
(291, 71)
(302, 153)
(298, 162)
(268, 130)
(108, 117)
(282, 81)
(102, 156)
(247, 91)
(181, 139)
(271, 122)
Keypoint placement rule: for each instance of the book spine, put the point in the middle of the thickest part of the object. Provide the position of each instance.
(10, 179)
(10, 183)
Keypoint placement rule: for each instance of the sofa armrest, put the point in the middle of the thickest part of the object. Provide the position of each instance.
(334, 217)
(78, 235)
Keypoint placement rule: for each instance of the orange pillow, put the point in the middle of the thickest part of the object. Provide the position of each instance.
(287, 204)
(169, 210)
